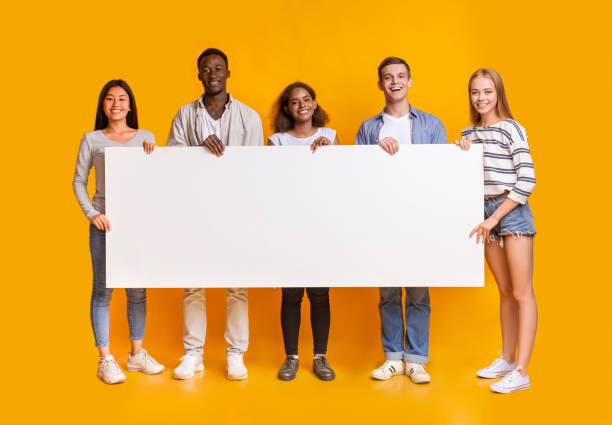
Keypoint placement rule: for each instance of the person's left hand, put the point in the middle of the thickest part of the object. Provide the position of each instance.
(148, 147)
(321, 141)
(464, 144)
(483, 229)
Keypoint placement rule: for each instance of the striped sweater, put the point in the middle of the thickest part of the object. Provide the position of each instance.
(506, 159)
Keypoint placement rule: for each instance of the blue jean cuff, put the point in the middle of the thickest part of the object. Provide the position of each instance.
(415, 358)
(136, 337)
(393, 356)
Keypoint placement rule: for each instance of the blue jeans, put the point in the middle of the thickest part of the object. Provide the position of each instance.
(415, 347)
(101, 295)
(519, 221)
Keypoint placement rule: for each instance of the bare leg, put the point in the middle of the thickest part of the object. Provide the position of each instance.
(136, 346)
(519, 254)
(104, 351)
(508, 309)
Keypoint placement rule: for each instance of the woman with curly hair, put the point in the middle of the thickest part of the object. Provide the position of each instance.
(300, 121)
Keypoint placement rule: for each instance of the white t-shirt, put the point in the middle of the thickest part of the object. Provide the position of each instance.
(285, 139)
(209, 125)
(398, 128)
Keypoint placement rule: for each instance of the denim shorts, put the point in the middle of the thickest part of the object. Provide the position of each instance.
(519, 221)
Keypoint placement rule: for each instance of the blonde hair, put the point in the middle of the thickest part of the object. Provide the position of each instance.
(502, 108)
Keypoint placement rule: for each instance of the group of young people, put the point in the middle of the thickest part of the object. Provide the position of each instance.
(216, 120)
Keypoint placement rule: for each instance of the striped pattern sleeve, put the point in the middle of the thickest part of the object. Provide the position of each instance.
(523, 164)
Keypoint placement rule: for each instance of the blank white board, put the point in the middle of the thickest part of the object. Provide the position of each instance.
(282, 216)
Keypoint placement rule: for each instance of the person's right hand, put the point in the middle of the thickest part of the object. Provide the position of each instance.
(214, 145)
(101, 222)
(390, 145)
(464, 144)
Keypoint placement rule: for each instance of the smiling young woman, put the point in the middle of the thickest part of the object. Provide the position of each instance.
(300, 121)
(508, 229)
(116, 126)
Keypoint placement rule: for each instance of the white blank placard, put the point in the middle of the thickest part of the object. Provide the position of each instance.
(282, 216)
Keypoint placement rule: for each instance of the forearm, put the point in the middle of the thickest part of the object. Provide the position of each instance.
(506, 206)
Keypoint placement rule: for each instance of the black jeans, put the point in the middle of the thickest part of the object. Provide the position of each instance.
(291, 314)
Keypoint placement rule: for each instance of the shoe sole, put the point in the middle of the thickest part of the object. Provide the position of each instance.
(424, 381)
(199, 368)
(326, 378)
(141, 369)
(492, 375)
(286, 378)
(106, 381)
(237, 377)
(386, 379)
(510, 390)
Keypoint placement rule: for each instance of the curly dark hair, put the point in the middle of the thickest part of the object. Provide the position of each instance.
(283, 121)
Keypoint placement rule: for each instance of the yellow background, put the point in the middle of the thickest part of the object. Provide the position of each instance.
(554, 58)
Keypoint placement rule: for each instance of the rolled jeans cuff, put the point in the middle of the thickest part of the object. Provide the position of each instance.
(393, 356)
(414, 358)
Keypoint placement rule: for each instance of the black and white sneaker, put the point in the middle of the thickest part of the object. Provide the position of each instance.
(388, 369)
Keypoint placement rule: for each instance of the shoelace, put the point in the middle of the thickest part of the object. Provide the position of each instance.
(111, 366)
(148, 360)
(498, 362)
(416, 369)
(290, 361)
(323, 362)
(512, 375)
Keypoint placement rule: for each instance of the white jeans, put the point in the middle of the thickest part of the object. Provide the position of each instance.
(236, 325)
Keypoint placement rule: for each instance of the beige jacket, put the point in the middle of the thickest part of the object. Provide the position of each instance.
(240, 126)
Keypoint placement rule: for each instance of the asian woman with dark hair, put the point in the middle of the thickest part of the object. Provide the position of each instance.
(116, 126)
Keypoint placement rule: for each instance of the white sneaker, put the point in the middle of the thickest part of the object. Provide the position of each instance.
(109, 371)
(511, 382)
(143, 362)
(388, 369)
(498, 368)
(236, 370)
(417, 373)
(189, 365)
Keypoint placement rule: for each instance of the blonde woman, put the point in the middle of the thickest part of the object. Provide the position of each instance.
(508, 229)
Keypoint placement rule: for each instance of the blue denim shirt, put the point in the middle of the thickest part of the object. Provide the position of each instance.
(426, 129)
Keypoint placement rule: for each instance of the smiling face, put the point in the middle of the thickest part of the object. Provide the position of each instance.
(116, 104)
(395, 82)
(213, 74)
(484, 97)
(301, 105)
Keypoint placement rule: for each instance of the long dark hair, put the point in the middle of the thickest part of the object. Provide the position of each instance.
(102, 119)
(284, 121)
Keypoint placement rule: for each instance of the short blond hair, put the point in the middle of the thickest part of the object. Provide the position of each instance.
(502, 108)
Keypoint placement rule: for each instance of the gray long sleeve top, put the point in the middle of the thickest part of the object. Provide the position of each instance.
(91, 153)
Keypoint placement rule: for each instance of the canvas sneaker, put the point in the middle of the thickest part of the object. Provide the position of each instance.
(388, 369)
(236, 370)
(498, 368)
(109, 371)
(417, 373)
(189, 365)
(511, 382)
(143, 362)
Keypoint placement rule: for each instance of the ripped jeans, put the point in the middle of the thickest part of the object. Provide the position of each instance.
(519, 221)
